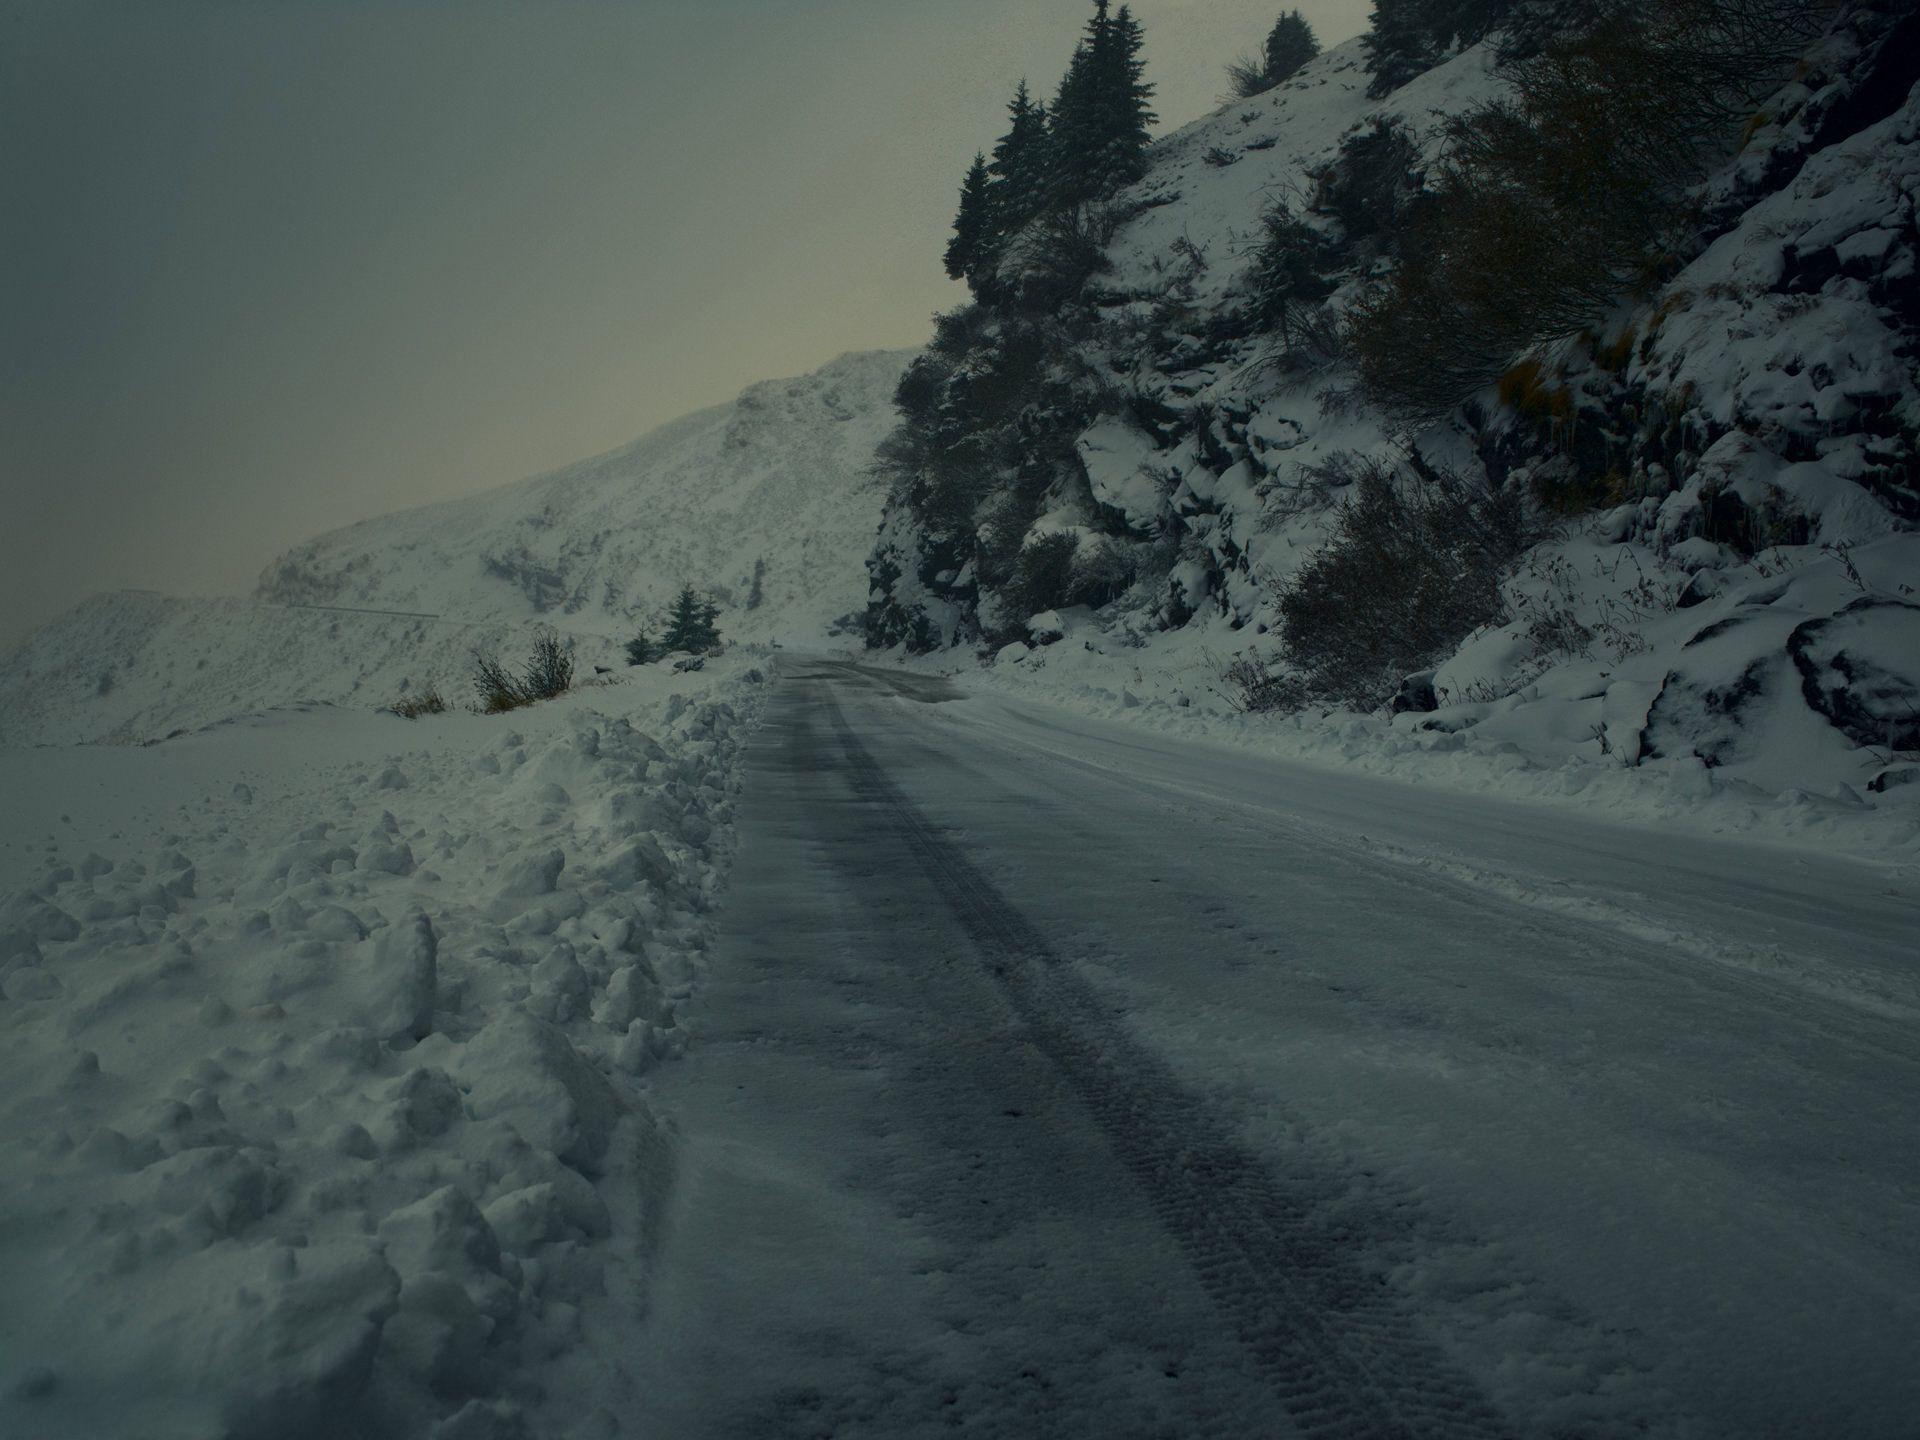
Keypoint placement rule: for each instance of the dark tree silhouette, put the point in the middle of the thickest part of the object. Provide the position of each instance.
(1098, 135)
(1289, 45)
(976, 235)
(1019, 164)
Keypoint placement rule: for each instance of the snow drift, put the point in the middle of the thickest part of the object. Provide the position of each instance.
(323, 1088)
(321, 1101)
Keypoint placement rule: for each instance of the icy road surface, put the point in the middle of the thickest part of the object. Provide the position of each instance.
(1056, 1080)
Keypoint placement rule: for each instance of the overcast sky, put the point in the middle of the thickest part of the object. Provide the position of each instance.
(268, 267)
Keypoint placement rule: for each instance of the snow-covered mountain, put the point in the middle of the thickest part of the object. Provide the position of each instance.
(1727, 585)
(765, 502)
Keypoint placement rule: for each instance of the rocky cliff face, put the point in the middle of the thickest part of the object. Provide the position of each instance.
(1149, 414)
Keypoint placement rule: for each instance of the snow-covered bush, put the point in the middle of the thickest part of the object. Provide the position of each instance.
(1042, 577)
(549, 669)
(549, 673)
(1289, 282)
(1370, 185)
(496, 690)
(428, 702)
(1413, 568)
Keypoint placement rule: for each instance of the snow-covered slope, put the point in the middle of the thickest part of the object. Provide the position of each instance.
(1728, 593)
(323, 1032)
(765, 502)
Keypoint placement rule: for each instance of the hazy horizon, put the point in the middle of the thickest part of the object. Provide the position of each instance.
(271, 270)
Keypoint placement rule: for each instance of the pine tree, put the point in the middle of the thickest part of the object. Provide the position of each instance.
(1073, 132)
(690, 624)
(1019, 165)
(1409, 37)
(1290, 44)
(1460, 23)
(1399, 45)
(1098, 137)
(1124, 114)
(976, 233)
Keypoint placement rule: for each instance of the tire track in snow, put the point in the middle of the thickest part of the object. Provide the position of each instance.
(1337, 1349)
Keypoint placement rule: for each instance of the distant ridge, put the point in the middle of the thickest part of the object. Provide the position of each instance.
(773, 485)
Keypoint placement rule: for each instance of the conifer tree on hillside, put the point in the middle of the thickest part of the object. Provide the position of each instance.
(1098, 136)
(976, 232)
(1408, 37)
(1088, 144)
(690, 624)
(1290, 44)
(1398, 45)
(1019, 165)
(1070, 129)
(1124, 114)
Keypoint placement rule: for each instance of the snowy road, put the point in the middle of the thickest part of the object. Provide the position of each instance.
(1053, 1079)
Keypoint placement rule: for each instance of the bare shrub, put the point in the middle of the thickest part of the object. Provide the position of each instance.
(1297, 488)
(1617, 613)
(1523, 241)
(1247, 78)
(1413, 568)
(496, 690)
(549, 670)
(427, 702)
(1257, 688)
(549, 673)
